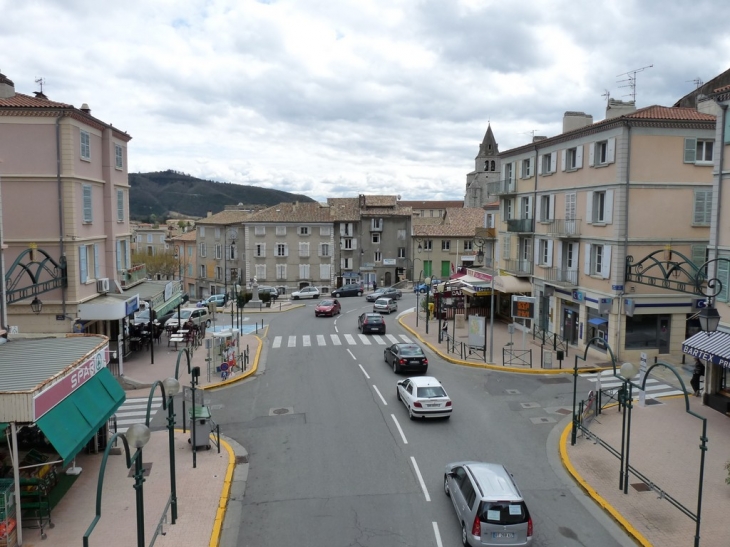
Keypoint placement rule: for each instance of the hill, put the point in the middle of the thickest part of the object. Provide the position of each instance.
(163, 192)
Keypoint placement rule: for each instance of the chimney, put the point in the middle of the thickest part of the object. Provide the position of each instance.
(85, 108)
(616, 108)
(537, 138)
(209, 214)
(7, 87)
(576, 120)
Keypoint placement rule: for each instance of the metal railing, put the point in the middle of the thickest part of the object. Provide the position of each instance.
(561, 275)
(516, 357)
(500, 187)
(518, 266)
(524, 225)
(548, 337)
(558, 227)
(462, 349)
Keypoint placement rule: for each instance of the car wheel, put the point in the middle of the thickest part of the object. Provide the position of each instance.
(295, 297)
(359, 293)
(396, 367)
(422, 291)
(446, 486)
(464, 535)
(410, 413)
(207, 324)
(385, 357)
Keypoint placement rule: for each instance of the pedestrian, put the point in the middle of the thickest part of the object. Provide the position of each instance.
(375, 286)
(697, 373)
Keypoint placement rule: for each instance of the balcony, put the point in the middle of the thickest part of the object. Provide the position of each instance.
(518, 267)
(132, 276)
(560, 276)
(558, 227)
(486, 233)
(520, 225)
(502, 187)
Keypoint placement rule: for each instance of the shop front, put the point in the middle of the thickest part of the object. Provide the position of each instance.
(713, 349)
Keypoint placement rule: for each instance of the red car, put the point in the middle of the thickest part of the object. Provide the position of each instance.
(329, 307)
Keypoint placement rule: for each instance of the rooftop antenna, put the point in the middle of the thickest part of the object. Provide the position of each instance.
(40, 82)
(606, 94)
(697, 81)
(630, 80)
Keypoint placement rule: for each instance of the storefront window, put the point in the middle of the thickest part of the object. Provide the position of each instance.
(647, 331)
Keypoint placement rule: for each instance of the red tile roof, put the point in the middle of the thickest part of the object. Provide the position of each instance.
(657, 112)
(26, 101)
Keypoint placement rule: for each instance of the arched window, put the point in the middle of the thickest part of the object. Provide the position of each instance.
(493, 166)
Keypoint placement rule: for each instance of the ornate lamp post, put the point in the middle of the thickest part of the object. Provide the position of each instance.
(428, 291)
(171, 387)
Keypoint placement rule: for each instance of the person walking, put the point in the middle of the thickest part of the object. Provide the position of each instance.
(697, 373)
(375, 286)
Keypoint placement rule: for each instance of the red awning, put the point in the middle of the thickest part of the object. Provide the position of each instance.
(457, 275)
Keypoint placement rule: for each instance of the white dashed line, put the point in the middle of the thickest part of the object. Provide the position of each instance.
(365, 373)
(405, 441)
(379, 395)
(436, 533)
(420, 479)
(351, 354)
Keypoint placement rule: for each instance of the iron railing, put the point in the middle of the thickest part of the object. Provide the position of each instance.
(518, 266)
(520, 225)
(558, 227)
(561, 276)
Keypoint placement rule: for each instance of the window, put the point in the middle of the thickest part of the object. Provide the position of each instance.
(304, 231)
(376, 224)
(123, 254)
(346, 263)
(218, 273)
(375, 237)
(602, 152)
(150, 239)
(598, 260)
(445, 244)
(545, 250)
(325, 230)
(202, 250)
(217, 233)
(548, 164)
(231, 252)
(260, 249)
(378, 256)
(325, 249)
(468, 245)
(281, 271)
(88, 215)
(526, 168)
(218, 251)
(570, 200)
(120, 205)
(303, 248)
(259, 230)
(281, 249)
(281, 230)
(325, 271)
(303, 271)
(599, 207)
(545, 207)
(506, 247)
(467, 490)
(401, 234)
(190, 270)
(509, 172)
(702, 208)
(401, 252)
(162, 238)
(572, 158)
(260, 272)
(698, 150)
(347, 244)
(118, 158)
(525, 207)
(346, 229)
(203, 272)
(85, 146)
(508, 213)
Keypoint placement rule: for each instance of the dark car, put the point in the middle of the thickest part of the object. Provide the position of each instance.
(329, 307)
(348, 290)
(385, 292)
(406, 357)
(371, 322)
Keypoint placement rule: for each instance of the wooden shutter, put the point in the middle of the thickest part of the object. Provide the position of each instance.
(587, 259)
(563, 159)
(608, 207)
(553, 161)
(83, 271)
(96, 261)
(579, 156)
(611, 150)
(589, 207)
(690, 150)
(591, 154)
(549, 253)
(540, 161)
(606, 262)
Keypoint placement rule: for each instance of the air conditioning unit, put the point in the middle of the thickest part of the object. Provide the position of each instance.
(102, 285)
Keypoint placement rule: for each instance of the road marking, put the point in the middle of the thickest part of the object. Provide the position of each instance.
(320, 340)
(292, 342)
(134, 411)
(335, 340)
(392, 338)
(364, 339)
(654, 388)
(436, 533)
(406, 339)
(277, 342)
(379, 340)
(405, 441)
(363, 371)
(306, 340)
(420, 479)
(350, 339)
(351, 355)
(379, 395)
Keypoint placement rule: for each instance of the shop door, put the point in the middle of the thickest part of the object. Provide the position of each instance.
(570, 326)
(665, 322)
(388, 279)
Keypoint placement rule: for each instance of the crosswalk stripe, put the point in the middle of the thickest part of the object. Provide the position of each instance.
(320, 340)
(654, 388)
(379, 340)
(392, 338)
(306, 341)
(364, 339)
(277, 342)
(350, 339)
(335, 340)
(292, 342)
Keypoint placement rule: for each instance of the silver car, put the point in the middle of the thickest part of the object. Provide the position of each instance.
(385, 305)
(488, 504)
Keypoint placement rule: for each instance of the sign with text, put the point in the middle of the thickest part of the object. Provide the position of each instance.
(523, 307)
(579, 296)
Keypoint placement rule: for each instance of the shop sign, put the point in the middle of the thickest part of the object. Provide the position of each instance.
(605, 305)
(131, 305)
(523, 307)
(579, 296)
(50, 397)
(389, 262)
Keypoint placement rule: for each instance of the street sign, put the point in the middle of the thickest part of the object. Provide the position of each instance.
(578, 296)
(617, 287)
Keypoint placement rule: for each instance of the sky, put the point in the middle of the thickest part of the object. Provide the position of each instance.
(341, 97)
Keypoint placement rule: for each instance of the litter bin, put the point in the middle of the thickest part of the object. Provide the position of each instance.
(200, 422)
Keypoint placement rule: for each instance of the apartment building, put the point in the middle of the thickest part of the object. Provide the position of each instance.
(576, 208)
(185, 249)
(150, 239)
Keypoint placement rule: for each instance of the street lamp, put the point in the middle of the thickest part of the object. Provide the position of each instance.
(418, 292)
(428, 292)
(709, 317)
(171, 387)
(36, 305)
(440, 288)
(479, 242)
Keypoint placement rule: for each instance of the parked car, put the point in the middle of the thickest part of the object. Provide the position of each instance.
(200, 317)
(385, 305)
(348, 290)
(371, 322)
(329, 307)
(273, 291)
(403, 356)
(306, 292)
(219, 300)
(424, 397)
(488, 504)
(385, 292)
(422, 288)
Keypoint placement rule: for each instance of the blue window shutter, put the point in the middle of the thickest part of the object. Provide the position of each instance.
(96, 261)
(119, 255)
(83, 273)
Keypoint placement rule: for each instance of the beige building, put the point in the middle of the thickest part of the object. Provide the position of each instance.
(432, 209)
(150, 240)
(185, 249)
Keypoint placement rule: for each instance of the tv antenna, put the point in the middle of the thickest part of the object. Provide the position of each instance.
(40, 82)
(630, 80)
(607, 94)
(697, 81)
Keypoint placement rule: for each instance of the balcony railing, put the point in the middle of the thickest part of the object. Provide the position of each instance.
(132, 276)
(558, 227)
(486, 233)
(520, 225)
(561, 276)
(502, 187)
(518, 266)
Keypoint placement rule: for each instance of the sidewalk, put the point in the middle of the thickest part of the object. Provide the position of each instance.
(664, 447)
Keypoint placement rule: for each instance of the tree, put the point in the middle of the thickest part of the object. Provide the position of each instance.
(163, 264)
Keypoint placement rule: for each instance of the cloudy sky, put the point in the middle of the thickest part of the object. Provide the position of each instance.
(333, 98)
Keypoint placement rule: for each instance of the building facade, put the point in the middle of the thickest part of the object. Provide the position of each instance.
(487, 169)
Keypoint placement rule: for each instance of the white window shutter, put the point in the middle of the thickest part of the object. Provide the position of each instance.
(608, 207)
(536, 251)
(128, 252)
(504, 171)
(83, 272)
(119, 255)
(342, 229)
(611, 150)
(576, 252)
(531, 168)
(549, 253)
(529, 207)
(520, 173)
(606, 263)
(538, 208)
(354, 243)
(589, 207)
(96, 261)
(690, 150)
(552, 206)
(563, 159)
(587, 259)
(591, 154)
(579, 157)
(559, 258)
(286, 249)
(496, 250)
(539, 165)
(553, 161)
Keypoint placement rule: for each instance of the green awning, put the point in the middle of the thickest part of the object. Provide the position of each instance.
(75, 420)
(162, 309)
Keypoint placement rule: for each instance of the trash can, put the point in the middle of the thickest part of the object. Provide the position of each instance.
(200, 422)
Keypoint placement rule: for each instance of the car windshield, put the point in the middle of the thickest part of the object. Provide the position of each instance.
(382, 301)
(374, 319)
(327, 303)
(430, 391)
(504, 512)
(410, 350)
(184, 313)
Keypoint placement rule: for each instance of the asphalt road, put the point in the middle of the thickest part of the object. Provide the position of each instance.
(335, 461)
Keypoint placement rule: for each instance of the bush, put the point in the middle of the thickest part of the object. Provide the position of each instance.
(243, 298)
(265, 296)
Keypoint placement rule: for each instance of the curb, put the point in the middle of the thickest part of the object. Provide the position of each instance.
(240, 377)
(607, 507)
(230, 505)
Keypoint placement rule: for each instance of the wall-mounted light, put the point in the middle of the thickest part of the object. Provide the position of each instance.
(37, 306)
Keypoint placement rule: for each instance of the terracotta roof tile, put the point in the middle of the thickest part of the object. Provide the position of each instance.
(293, 212)
(226, 218)
(26, 101)
(657, 112)
(344, 209)
(721, 89)
(380, 201)
(187, 236)
(457, 223)
(432, 204)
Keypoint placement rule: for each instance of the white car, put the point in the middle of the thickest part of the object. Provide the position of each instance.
(424, 397)
(385, 305)
(305, 292)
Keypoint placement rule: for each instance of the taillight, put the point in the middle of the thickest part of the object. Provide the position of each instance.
(425, 361)
(529, 527)
(417, 405)
(476, 529)
(402, 361)
(448, 403)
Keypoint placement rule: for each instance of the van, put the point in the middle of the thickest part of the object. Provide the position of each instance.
(199, 316)
(488, 504)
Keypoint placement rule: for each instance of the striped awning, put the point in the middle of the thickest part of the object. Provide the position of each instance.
(714, 347)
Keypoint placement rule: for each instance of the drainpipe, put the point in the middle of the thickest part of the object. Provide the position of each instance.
(626, 235)
(3, 291)
(716, 233)
(61, 225)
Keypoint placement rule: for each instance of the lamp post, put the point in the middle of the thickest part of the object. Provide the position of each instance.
(440, 288)
(171, 387)
(428, 292)
(418, 292)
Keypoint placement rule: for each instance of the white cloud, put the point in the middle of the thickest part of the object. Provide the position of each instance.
(338, 98)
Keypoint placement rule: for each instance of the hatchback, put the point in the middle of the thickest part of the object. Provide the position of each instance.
(488, 504)
(404, 356)
(371, 322)
(385, 292)
(306, 292)
(329, 307)
(424, 397)
(199, 316)
(348, 290)
(385, 305)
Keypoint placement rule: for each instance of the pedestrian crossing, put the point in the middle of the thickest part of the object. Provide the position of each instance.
(134, 411)
(306, 340)
(654, 388)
